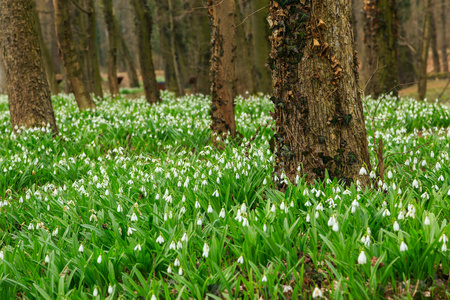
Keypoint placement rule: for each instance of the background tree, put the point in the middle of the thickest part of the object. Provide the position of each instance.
(223, 45)
(30, 104)
(93, 67)
(112, 46)
(144, 24)
(380, 38)
(318, 108)
(444, 11)
(69, 56)
(424, 48)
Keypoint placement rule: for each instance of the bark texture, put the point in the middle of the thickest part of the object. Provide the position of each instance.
(434, 44)
(47, 59)
(444, 11)
(69, 56)
(243, 62)
(93, 63)
(144, 25)
(424, 48)
(222, 72)
(112, 46)
(30, 104)
(318, 109)
(381, 39)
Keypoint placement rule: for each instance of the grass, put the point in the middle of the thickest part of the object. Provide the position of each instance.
(132, 201)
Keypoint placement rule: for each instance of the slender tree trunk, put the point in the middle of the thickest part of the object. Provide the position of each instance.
(2, 77)
(144, 25)
(381, 39)
(131, 67)
(30, 104)
(244, 76)
(422, 73)
(93, 65)
(47, 59)
(202, 33)
(223, 44)
(112, 47)
(69, 56)
(434, 45)
(261, 47)
(173, 49)
(318, 108)
(444, 12)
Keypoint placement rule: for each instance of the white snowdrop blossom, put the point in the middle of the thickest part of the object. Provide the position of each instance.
(160, 239)
(362, 259)
(138, 247)
(222, 213)
(396, 227)
(403, 246)
(427, 221)
(81, 248)
(205, 250)
(317, 293)
(363, 171)
(99, 259)
(240, 260)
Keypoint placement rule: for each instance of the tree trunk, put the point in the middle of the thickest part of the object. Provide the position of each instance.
(244, 76)
(433, 44)
(173, 49)
(2, 78)
(112, 47)
(30, 104)
(69, 56)
(381, 39)
(144, 25)
(131, 67)
(422, 73)
(47, 59)
(261, 47)
(93, 64)
(318, 108)
(444, 36)
(223, 45)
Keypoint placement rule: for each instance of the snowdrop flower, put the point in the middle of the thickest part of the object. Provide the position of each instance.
(81, 248)
(273, 209)
(386, 213)
(264, 278)
(265, 227)
(308, 218)
(403, 247)
(331, 220)
(401, 215)
(287, 289)
(197, 204)
(138, 247)
(95, 293)
(130, 231)
(47, 259)
(243, 207)
(390, 175)
(282, 205)
(169, 270)
(216, 193)
(153, 297)
(444, 247)
(205, 250)
(180, 271)
(427, 221)
(319, 207)
(415, 184)
(222, 213)
(244, 222)
(316, 215)
(2, 255)
(441, 178)
(176, 263)
(110, 289)
(362, 259)
(265, 181)
(372, 175)
(184, 238)
(210, 209)
(55, 232)
(119, 208)
(21, 200)
(396, 226)
(160, 239)
(199, 221)
(240, 260)
(172, 246)
(336, 226)
(308, 204)
(317, 293)
(443, 238)
(355, 205)
(363, 171)
(99, 259)
(411, 211)
(31, 226)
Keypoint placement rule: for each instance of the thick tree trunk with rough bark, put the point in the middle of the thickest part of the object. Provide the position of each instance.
(112, 47)
(30, 104)
(144, 25)
(381, 39)
(444, 12)
(222, 72)
(93, 63)
(318, 108)
(434, 45)
(424, 48)
(47, 59)
(243, 62)
(2, 78)
(69, 56)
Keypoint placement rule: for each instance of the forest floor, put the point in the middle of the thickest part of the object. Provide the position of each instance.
(434, 88)
(132, 201)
